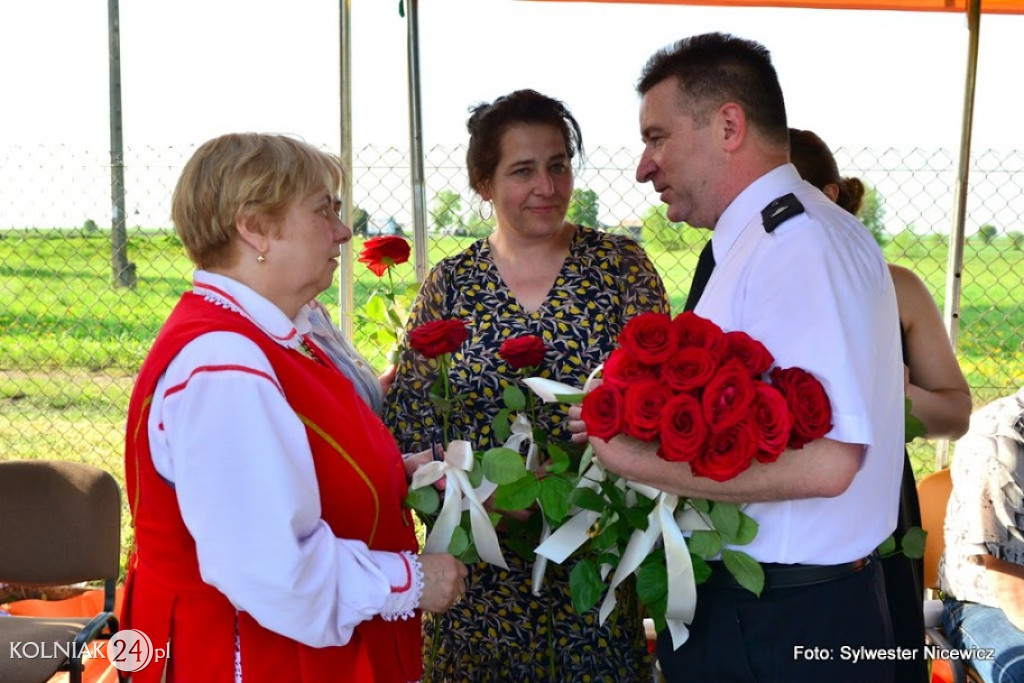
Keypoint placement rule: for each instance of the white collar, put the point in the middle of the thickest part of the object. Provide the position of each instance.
(748, 204)
(242, 299)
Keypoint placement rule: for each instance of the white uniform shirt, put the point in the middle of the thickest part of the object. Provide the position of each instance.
(817, 293)
(222, 433)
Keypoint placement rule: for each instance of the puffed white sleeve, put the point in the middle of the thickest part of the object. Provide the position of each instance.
(225, 437)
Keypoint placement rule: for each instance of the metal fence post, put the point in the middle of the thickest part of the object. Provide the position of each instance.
(124, 272)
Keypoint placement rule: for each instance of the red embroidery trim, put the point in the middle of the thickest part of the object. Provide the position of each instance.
(221, 368)
(408, 577)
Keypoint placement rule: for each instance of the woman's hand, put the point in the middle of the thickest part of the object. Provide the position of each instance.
(444, 582)
(387, 378)
(576, 425)
(414, 461)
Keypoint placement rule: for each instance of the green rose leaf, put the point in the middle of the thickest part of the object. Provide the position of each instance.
(725, 517)
(518, 495)
(745, 569)
(502, 426)
(571, 399)
(701, 569)
(515, 399)
(376, 309)
(560, 460)
(913, 542)
(459, 543)
(887, 547)
(747, 531)
(636, 518)
(588, 499)
(503, 466)
(554, 497)
(585, 585)
(424, 500)
(652, 579)
(700, 505)
(476, 475)
(705, 543)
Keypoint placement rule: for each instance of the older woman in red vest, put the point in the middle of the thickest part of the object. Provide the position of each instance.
(271, 543)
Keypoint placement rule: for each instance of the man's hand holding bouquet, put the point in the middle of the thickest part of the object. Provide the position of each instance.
(708, 398)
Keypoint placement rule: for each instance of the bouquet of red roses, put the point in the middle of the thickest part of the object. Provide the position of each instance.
(710, 398)
(703, 394)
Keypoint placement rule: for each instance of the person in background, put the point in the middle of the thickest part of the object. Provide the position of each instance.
(981, 571)
(940, 397)
(574, 287)
(799, 274)
(271, 543)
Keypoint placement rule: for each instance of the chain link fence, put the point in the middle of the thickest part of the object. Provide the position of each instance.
(70, 342)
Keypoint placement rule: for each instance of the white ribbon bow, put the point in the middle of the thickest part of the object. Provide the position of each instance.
(522, 432)
(668, 524)
(458, 460)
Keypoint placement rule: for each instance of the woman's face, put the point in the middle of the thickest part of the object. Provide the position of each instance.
(532, 183)
(304, 249)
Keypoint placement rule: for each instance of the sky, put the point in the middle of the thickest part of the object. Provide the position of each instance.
(194, 69)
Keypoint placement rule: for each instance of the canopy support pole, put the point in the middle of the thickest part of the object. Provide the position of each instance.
(954, 269)
(419, 205)
(346, 303)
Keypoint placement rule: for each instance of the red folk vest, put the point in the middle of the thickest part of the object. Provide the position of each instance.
(362, 485)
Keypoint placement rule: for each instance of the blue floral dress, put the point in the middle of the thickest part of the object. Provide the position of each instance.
(501, 631)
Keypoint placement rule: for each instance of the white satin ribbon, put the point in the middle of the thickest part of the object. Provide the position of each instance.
(549, 390)
(575, 531)
(665, 522)
(458, 460)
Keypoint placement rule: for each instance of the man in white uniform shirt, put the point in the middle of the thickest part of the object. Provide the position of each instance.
(804, 277)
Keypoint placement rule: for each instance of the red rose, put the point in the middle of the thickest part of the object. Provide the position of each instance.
(380, 253)
(748, 351)
(693, 330)
(523, 352)
(438, 337)
(726, 453)
(772, 422)
(808, 404)
(602, 412)
(727, 397)
(682, 429)
(645, 401)
(649, 337)
(622, 369)
(688, 369)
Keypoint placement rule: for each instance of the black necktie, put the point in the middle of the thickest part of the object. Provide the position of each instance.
(705, 264)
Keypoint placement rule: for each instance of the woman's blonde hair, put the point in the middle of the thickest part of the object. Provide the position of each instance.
(244, 174)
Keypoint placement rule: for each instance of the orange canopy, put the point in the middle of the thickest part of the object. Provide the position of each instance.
(987, 6)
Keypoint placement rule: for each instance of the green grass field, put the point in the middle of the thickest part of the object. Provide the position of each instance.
(70, 343)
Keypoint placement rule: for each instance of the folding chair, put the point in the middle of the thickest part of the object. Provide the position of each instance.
(60, 523)
(933, 491)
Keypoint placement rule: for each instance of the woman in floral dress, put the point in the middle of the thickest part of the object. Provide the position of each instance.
(574, 287)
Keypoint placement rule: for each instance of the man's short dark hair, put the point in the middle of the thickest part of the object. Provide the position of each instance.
(714, 68)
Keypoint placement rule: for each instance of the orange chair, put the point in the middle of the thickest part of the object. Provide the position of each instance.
(933, 493)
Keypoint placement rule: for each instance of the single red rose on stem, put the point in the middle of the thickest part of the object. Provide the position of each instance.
(649, 337)
(688, 369)
(380, 253)
(523, 352)
(693, 330)
(772, 422)
(683, 429)
(602, 412)
(726, 454)
(622, 369)
(727, 397)
(438, 337)
(645, 401)
(752, 353)
(808, 404)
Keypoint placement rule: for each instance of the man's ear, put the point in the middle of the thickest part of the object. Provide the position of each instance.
(732, 125)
